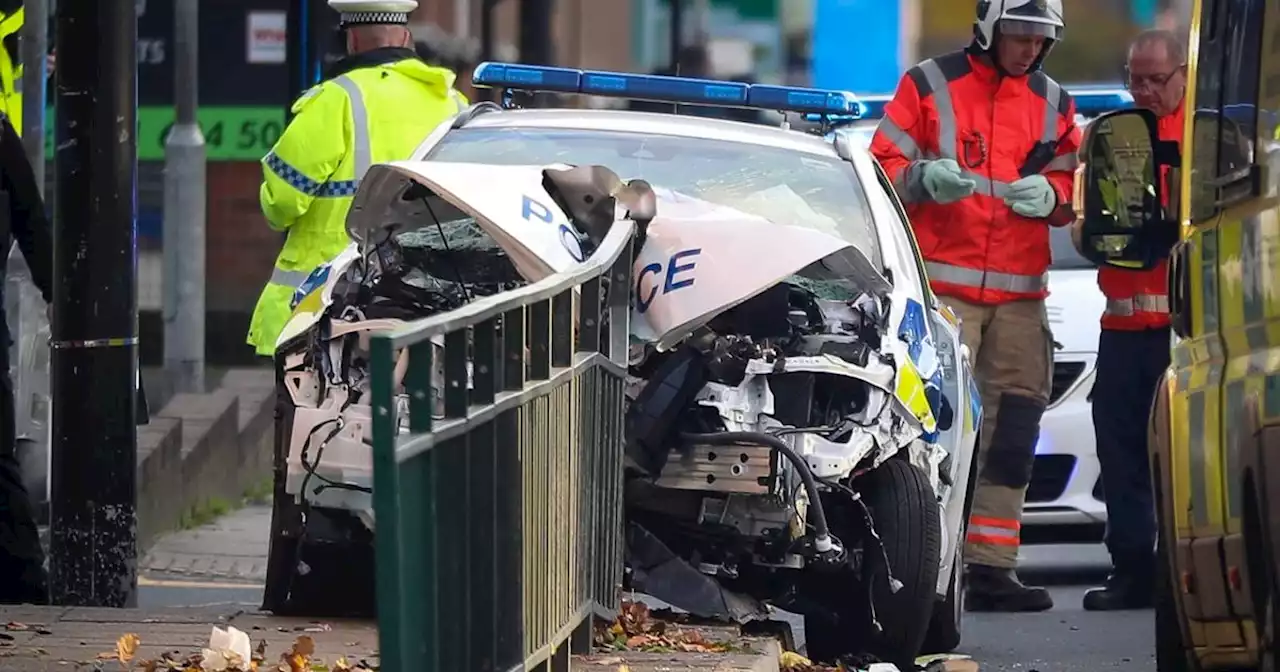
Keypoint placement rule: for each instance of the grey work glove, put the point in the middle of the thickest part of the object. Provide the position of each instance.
(944, 181)
(1032, 197)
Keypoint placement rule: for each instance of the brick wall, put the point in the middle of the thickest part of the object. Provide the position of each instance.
(241, 247)
(240, 250)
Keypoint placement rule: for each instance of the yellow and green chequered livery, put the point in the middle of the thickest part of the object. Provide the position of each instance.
(375, 113)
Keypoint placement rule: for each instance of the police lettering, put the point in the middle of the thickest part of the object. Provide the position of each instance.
(530, 209)
(677, 274)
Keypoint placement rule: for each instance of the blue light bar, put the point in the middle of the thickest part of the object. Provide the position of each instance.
(663, 88)
(667, 89)
(874, 105)
(532, 78)
(797, 99)
(1090, 101)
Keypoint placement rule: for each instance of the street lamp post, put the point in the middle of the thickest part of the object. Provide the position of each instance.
(184, 213)
(94, 366)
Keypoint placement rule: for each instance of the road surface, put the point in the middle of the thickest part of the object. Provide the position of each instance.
(223, 564)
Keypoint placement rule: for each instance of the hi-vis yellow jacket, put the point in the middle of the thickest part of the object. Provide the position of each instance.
(11, 74)
(379, 107)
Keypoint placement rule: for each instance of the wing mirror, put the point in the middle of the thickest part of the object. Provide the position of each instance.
(1122, 193)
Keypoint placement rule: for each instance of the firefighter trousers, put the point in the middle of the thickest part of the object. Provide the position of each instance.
(1011, 350)
(1130, 364)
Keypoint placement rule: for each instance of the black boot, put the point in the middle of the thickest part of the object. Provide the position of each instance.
(1130, 586)
(998, 589)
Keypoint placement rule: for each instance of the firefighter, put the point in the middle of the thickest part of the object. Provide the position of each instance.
(376, 105)
(981, 147)
(1133, 352)
(21, 556)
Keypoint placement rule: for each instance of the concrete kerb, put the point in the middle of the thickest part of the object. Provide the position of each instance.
(201, 448)
(750, 654)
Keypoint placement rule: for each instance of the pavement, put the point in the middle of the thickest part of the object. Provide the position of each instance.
(224, 564)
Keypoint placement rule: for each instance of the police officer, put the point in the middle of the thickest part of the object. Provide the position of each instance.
(12, 16)
(21, 557)
(1133, 352)
(377, 104)
(981, 147)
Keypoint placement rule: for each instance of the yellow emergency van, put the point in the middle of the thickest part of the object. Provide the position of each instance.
(1212, 210)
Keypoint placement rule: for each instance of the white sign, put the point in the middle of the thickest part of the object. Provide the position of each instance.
(266, 37)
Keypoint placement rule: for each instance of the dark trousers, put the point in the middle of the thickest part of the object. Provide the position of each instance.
(1130, 364)
(22, 573)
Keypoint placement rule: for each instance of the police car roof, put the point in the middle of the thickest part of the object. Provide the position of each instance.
(655, 123)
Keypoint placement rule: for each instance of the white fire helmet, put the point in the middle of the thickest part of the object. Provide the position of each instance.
(1017, 17)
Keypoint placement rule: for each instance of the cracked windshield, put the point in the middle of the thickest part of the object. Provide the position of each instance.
(998, 391)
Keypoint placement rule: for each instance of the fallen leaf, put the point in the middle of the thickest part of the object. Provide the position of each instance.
(304, 645)
(127, 647)
(790, 660)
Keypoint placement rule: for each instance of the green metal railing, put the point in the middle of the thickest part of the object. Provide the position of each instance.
(499, 525)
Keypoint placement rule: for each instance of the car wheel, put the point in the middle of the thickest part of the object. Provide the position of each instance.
(944, 629)
(906, 519)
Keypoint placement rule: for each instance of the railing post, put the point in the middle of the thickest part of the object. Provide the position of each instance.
(498, 522)
(386, 505)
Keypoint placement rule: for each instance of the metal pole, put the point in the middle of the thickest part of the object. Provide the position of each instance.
(184, 213)
(677, 34)
(93, 549)
(535, 32)
(35, 45)
(298, 39)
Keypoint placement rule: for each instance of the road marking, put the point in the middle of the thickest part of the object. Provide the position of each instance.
(212, 585)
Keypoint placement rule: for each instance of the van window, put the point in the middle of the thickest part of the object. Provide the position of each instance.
(1269, 96)
(1242, 45)
(1205, 127)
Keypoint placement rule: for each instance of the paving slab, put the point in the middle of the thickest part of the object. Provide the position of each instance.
(58, 638)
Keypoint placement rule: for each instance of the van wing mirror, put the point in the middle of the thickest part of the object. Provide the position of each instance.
(1121, 194)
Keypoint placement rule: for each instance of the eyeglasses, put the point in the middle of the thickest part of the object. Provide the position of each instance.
(1132, 81)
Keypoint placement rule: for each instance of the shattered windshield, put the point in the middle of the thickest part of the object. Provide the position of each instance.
(783, 185)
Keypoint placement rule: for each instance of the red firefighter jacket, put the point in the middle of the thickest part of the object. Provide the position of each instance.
(1138, 300)
(999, 129)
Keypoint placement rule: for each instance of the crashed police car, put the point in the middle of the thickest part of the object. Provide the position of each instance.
(800, 421)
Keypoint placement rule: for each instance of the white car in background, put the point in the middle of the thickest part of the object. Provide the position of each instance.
(1064, 498)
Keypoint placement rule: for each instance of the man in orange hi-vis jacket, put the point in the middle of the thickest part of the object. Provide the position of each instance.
(981, 147)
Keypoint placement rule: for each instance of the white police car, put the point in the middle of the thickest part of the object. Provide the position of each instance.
(755, 197)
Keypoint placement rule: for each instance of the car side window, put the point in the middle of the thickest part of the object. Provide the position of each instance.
(1242, 46)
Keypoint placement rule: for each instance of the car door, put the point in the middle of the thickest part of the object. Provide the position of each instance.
(1246, 226)
(1194, 502)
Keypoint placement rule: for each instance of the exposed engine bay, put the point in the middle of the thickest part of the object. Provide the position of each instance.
(737, 435)
(757, 429)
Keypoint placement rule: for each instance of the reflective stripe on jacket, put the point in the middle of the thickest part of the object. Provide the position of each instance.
(11, 71)
(1138, 300)
(958, 107)
(378, 111)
